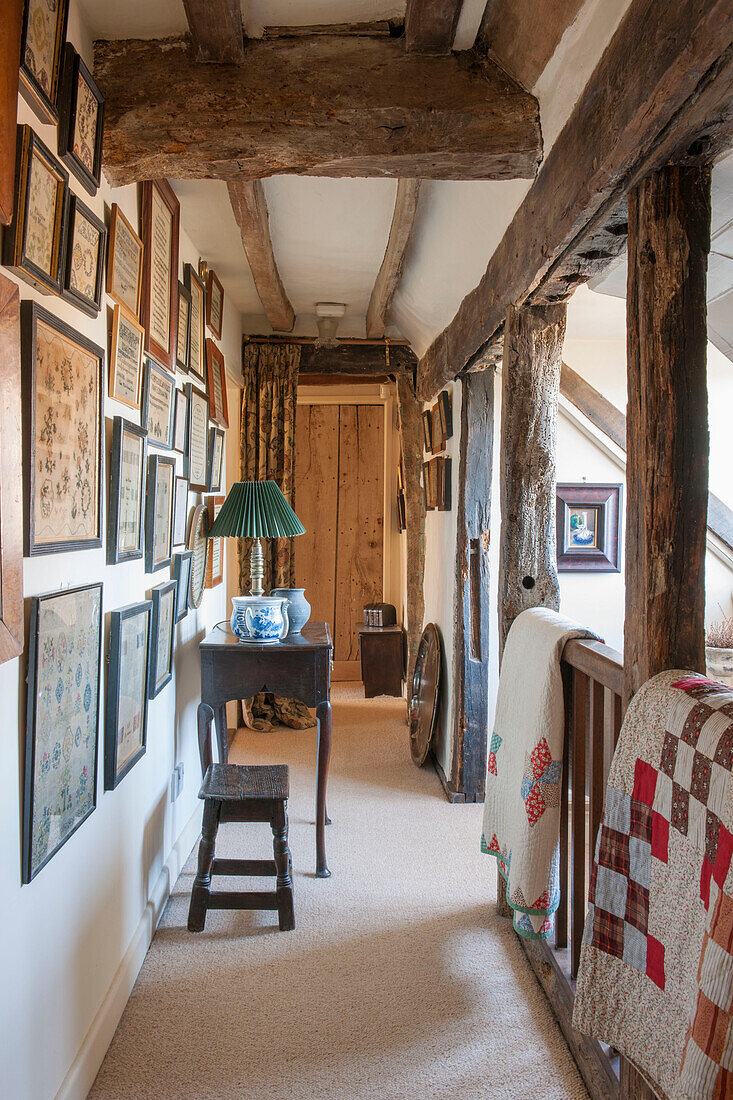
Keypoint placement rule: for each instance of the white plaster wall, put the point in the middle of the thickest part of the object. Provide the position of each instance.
(440, 585)
(82, 925)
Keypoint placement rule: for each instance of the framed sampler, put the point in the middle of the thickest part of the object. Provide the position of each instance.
(63, 376)
(215, 559)
(12, 626)
(41, 47)
(124, 262)
(215, 466)
(443, 477)
(588, 528)
(437, 432)
(159, 512)
(182, 577)
(214, 304)
(198, 544)
(86, 245)
(197, 336)
(126, 492)
(126, 722)
(180, 422)
(162, 636)
(180, 511)
(445, 410)
(159, 405)
(427, 429)
(126, 358)
(81, 119)
(64, 662)
(160, 222)
(196, 456)
(216, 384)
(33, 244)
(183, 327)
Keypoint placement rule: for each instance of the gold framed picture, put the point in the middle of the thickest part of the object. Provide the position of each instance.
(124, 262)
(126, 358)
(216, 385)
(33, 243)
(41, 44)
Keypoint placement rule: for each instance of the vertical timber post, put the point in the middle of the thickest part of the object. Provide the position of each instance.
(530, 389)
(471, 622)
(667, 438)
(411, 438)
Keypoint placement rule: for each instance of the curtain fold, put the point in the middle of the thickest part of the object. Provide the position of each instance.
(267, 446)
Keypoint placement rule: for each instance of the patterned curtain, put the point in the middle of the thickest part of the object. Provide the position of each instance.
(268, 446)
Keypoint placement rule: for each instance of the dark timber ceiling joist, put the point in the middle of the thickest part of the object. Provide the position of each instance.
(524, 34)
(390, 272)
(250, 212)
(430, 25)
(662, 90)
(322, 106)
(216, 30)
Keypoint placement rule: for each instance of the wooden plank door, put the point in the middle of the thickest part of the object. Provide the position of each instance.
(339, 496)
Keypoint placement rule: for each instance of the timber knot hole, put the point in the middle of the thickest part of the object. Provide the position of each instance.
(528, 583)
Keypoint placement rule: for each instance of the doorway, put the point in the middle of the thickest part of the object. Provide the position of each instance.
(339, 494)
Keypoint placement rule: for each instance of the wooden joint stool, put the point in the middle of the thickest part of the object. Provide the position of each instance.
(235, 792)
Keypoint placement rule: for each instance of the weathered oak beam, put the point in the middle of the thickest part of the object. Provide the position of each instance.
(663, 85)
(667, 426)
(530, 387)
(430, 25)
(524, 34)
(216, 30)
(323, 106)
(250, 211)
(356, 359)
(390, 272)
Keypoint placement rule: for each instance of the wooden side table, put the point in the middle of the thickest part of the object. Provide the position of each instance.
(382, 659)
(299, 667)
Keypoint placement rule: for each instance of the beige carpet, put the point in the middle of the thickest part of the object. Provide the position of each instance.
(398, 982)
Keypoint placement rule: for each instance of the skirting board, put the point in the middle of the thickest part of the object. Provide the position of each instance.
(84, 1068)
(451, 794)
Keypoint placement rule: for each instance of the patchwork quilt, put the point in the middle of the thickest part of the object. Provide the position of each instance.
(656, 968)
(521, 826)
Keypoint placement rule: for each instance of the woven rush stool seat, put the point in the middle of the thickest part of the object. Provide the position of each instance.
(237, 793)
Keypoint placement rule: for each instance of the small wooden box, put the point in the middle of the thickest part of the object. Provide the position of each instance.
(382, 659)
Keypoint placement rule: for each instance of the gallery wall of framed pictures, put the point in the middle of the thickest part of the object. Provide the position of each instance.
(121, 378)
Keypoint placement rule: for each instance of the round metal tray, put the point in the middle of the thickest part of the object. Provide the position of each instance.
(425, 694)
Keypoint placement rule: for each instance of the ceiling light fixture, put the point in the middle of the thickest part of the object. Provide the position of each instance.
(328, 315)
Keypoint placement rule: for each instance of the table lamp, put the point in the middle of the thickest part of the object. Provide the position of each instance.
(256, 510)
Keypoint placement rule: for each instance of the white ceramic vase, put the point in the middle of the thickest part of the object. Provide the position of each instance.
(719, 664)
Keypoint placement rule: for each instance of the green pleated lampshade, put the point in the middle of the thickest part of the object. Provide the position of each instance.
(256, 509)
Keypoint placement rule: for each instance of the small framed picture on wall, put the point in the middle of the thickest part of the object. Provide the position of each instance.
(197, 338)
(214, 304)
(180, 511)
(86, 245)
(160, 224)
(81, 121)
(216, 461)
(197, 450)
(162, 637)
(588, 528)
(216, 385)
(182, 577)
(126, 722)
(33, 244)
(159, 512)
(126, 358)
(41, 46)
(183, 338)
(158, 407)
(124, 262)
(180, 425)
(126, 492)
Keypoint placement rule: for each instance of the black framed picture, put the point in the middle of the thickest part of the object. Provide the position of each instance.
(183, 331)
(81, 120)
(182, 577)
(445, 412)
(63, 380)
(588, 528)
(86, 246)
(427, 429)
(197, 335)
(180, 511)
(162, 636)
(126, 492)
(180, 425)
(33, 243)
(158, 406)
(215, 462)
(127, 691)
(159, 512)
(41, 46)
(64, 663)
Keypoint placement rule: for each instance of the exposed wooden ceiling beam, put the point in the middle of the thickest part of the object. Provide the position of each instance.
(250, 211)
(663, 85)
(523, 34)
(216, 30)
(322, 106)
(355, 358)
(390, 272)
(430, 25)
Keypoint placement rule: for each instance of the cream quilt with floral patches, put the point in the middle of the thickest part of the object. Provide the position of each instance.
(522, 810)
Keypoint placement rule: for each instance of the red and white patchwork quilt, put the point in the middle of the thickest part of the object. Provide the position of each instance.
(656, 968)
(521, 826)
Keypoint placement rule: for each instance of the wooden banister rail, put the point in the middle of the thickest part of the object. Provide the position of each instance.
(593, 683)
